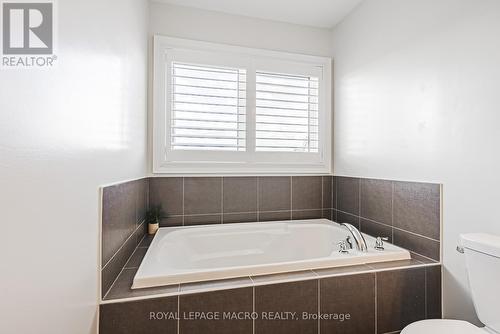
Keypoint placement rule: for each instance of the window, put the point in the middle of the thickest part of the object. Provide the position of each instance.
(226, 109)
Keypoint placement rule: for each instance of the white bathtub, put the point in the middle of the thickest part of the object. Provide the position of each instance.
(199, 253)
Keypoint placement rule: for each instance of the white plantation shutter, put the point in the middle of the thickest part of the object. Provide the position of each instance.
(286, 113)
(227, 109)
(208, 108)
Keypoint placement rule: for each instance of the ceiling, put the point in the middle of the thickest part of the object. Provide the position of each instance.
(315, 13)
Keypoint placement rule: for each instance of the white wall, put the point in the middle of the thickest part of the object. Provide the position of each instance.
(63, 133)
(198, 24)
(417, 98)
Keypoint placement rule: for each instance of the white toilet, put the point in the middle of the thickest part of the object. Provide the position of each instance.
(482, 259)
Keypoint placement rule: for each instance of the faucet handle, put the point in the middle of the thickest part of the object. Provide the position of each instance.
(379, 243)
(343, 246)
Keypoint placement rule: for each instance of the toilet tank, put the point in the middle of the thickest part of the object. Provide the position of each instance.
(482, 259)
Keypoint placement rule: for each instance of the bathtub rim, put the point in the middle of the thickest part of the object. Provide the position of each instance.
(222, 273)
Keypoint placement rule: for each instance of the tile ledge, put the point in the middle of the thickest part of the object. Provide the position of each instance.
(254, 284)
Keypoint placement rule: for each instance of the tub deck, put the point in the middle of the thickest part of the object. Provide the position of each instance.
(122, 288)
(205, 253)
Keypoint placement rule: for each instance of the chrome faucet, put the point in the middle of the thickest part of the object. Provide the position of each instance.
(359, 240)
(344, 246)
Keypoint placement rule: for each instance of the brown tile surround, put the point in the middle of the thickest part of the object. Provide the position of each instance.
(408, 213)
(403, 291)
(383, 299)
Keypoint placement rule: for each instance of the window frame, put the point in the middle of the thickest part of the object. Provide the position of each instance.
(166, 161)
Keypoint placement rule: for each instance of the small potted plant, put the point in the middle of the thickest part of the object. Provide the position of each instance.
(153, 216)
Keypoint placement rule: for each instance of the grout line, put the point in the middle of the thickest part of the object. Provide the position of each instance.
(331, 192)
(376, 300)
(258, 198)
(395, 180)
(179, 311)
(425, 294)
(350, 214)
(322, 193)
(359, 200)
(336, 193)
(123, 244)
(419, 235)
(319, 306)
(148, 199)
(222, 200)
(392, 210)
(183, 200)
(140, 241)
(253, 306)
(333, 195)
(376, 222)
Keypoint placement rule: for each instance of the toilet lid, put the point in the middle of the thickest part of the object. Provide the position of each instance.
(439, 326)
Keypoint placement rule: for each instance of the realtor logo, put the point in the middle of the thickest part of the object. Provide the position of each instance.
(27, 29)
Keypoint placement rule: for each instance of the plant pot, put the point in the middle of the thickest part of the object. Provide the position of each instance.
(152, 228)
